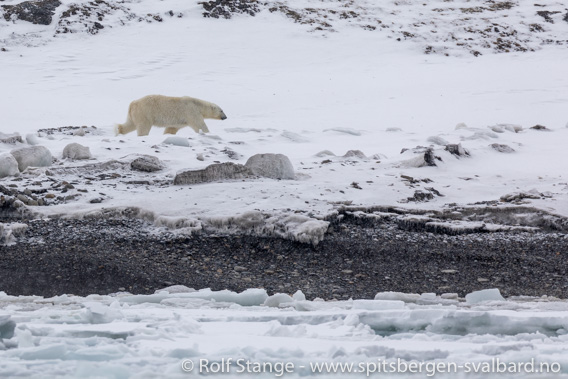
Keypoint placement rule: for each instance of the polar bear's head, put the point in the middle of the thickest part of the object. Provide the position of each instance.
(217, 113)
(207, 109)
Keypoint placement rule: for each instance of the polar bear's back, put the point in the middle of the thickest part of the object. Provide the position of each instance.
(162, 110)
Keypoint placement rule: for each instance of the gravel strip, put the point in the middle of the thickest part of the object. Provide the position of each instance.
(357, 259)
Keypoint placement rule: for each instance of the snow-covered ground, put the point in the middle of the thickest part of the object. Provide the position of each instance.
(297, 89)
(287, 89)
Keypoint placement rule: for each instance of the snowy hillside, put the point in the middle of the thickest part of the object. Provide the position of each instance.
(447, 27)
(342, 103)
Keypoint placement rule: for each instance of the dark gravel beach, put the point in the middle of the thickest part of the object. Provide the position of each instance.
(357, 259)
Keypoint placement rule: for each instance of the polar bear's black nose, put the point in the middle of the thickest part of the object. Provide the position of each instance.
(223, 117)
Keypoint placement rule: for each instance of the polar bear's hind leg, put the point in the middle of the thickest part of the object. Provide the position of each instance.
(143, 129)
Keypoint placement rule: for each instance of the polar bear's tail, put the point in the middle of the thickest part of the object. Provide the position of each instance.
(127, 127)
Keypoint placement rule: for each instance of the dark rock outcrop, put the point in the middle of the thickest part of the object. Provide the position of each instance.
(37, 12)
(226, 8)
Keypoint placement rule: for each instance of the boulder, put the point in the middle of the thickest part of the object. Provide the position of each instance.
(76, 151)
(502, 148)
(8, 165)
(355, 154)
(147, 163)
(34, 156)
(11, 139)
(275, 166)
(32, 139)
(457, 150)
(213, 173)
(423, 156)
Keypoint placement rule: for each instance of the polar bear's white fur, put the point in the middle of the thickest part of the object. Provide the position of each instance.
(173, 113)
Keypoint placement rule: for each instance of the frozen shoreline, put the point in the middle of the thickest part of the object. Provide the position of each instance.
(358, 257)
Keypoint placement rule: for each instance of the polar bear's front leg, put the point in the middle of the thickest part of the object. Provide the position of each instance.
(199, 124)
(171, 130)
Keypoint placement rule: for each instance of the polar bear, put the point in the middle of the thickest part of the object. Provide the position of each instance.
(173, 113)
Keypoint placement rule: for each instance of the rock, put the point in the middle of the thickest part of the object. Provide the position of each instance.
(34, 156)
(11, 139)
(37, 12)
(457, 150)
(501, 128)
(355, 154)
(425, 157)
(23, 198)
(32, 139)
(79, 132)
(420, 196)
(225, 9)
(8, 165)
(540, 127)
(147, 163)
(518, 196)
(502, 148)
(213, 173)
(231, 153)
(275, 166)
(76, 151)
(89, 16)
(327, 153)
(176, 141)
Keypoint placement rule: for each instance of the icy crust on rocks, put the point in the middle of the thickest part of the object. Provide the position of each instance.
(9, 232)
(457, 220)
(125, 335)
(288, 226)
